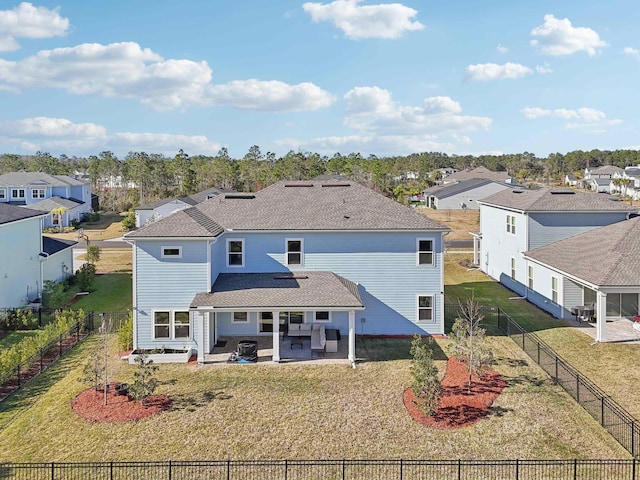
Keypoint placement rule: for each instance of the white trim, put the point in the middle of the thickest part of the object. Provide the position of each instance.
(240, 322)
(432, 308)
(286, 252)
(171, 325)
(557, 290)
(229, 240)
(260, 322)
(280, 308)
(24, 193)
(3, 193)
(170, 247)
(189, 323)
(39, 190)
(418, 251)
(315, 319)
(153, 324)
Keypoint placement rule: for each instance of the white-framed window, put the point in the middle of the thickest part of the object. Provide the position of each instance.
(424, 251)
(38, 192)
(235, 252)
(171, 252)
(240, 317)
(266, 322)
(530, 277)
(511, 224)
(171, 325)
(3, 193)
(425, 309)
(513, 268)
(554, 289)
(162, 325)
(181, 325)
(291, 317)
(17, 193)
(295, 252)
(322, 316)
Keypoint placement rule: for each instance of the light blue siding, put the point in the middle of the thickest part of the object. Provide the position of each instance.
(470, 197)
(572, 296)
(167, 284)
(546, 228)
(20, 275)
(53, 266)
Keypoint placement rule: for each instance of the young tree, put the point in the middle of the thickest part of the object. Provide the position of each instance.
(144, 383)
(93, 371)
(426, 386)
(93, 254)
(469, 339)
(85, 276)
(129, 221)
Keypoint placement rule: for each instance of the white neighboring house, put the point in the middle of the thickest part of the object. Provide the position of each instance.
(631, 187)
(513, 222)
(462, 195)
(44, 192)
(478, 172)
(27, 258)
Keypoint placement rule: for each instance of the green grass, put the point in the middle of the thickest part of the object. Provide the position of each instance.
(12, 338)
(612, 366)
(293, 411)
(113, 293)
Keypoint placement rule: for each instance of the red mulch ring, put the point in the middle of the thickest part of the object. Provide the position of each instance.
(119, 408)
(459, 407)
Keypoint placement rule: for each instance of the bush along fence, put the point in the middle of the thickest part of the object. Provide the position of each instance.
(327, 469)
(27, 359)
(613, 417)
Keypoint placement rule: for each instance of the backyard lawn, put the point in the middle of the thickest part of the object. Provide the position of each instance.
(113, 293)
(107, 227)
(306, 412)
(461, 222)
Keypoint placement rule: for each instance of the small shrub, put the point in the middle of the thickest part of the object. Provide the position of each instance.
(75, 223)
(53, 294)
(91, 217)
(144, 383)
(85, 276)
(125, 334)
(426, 386)
(129, 222)
(93, 254)
(93, 373)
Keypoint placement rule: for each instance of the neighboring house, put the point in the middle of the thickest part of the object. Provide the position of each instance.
(47, 192)
(567, 274)
(479, 172)
(332, 253)
(603, 172)
(516, 221)
(599, 185)
(462, 195)
(631, 185)
(571, 180)
(115, 181)
(27, 258)
(154, 211)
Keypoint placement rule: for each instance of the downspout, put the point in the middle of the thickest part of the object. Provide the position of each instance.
(134, 305)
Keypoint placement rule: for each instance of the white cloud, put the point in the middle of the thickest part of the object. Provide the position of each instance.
(543, 69)
(27, 21)
(588, 119)
(502, 49)
(126, 70)
(483, 72)
(389, 20)
(559, 37)
(633, 52)
(63, 136)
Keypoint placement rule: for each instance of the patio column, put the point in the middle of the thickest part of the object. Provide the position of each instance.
(276, 337)
(352, 337)
(476, 247)
(198, 325)
(601, 317)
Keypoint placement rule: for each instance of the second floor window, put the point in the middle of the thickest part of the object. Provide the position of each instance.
(294, 252)
(235, 253)
(38, 193)
(17, 193)
(3, 194)
(511, 224)
(425, 252)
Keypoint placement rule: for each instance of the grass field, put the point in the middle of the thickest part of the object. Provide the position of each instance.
(113, 293)
(114, 260)
(461, 222)
(288, 411)
(107, 227)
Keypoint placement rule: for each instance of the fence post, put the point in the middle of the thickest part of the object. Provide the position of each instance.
(633, 469)
(577, 388)
(460, 467)
(602, 411)
(633, 439)
(286, 469)
(523, 334)
(575, 469)
(538, 343)
(228, 469)
(517, 469)
(18, 373)
(400, 469)
(40, 318)
(344, 469)
(53, 471)
(111, 471)
(41, 360)
(169, 469)
(60, 344)
(556, 379)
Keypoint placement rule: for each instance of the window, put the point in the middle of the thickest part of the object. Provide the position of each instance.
(511, 224)
(294, 252)
(530, 277)
(425, 309)
(181, 325)
(171, 252)
(321, 317)
(161, 325)
(38, 193)
(513, 268)
(240, 317)
(266, 322)
(291, 317)
(554, 289)
(425, 252)
(235, 253)
(17, 193)
(3, 193)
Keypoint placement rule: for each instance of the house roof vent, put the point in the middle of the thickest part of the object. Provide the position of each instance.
(298, 184)
(336, 184)
(239, 196)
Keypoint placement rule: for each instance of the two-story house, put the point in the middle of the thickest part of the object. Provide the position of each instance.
(50, 193)
(513, 222)
(27, 259)
(334, 253)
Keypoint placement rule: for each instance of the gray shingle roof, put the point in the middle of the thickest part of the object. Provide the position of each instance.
(605, 170)
(618, 254)
(11, 213)
(24, 179)
(450, 189)
(49, 204)
(52, 245)
(556, 200)
(285, 205)
(205, 195)
(479, 172)
(156, 204)
(299, 290)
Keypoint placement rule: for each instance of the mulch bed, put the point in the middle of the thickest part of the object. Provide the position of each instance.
(459, 407)
(119, 408)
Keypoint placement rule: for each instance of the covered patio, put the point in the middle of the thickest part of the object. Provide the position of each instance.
(264, 305)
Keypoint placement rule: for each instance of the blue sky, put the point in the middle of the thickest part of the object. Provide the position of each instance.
(484, 76)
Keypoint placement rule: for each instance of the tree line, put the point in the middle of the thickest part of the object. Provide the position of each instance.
(158, 176)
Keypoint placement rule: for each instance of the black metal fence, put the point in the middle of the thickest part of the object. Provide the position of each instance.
(327, 470)
(10, 317)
